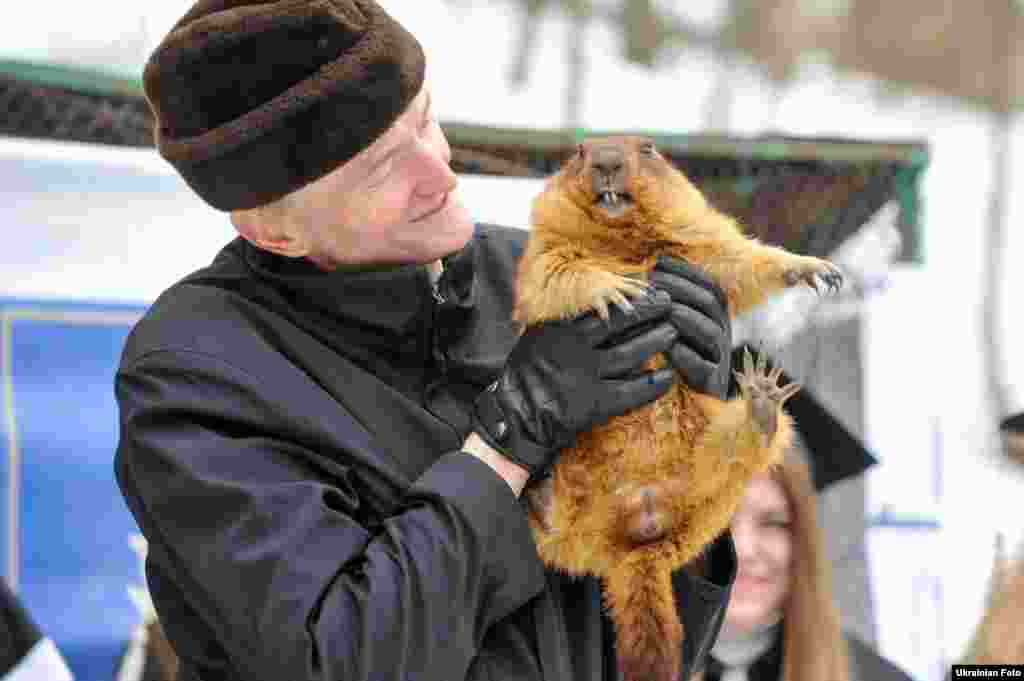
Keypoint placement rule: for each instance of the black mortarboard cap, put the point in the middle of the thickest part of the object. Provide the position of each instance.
(1014, 423)
(833, 452)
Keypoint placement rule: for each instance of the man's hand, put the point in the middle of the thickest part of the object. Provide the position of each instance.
(515, 475)
(703, 351)
(565, 377)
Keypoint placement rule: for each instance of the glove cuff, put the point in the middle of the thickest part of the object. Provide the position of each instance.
(504, 434)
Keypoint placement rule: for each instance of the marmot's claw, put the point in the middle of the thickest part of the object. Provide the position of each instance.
(811, 270)
(618, 292)
(833, 278)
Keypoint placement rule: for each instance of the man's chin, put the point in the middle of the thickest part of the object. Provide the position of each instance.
(454, 224)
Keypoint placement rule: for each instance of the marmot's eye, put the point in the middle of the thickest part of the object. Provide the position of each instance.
(647, 148)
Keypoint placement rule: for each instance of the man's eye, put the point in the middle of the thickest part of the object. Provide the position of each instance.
(647, 149)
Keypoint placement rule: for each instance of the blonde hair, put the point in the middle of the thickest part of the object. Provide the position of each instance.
(814, 648)
(999, 636)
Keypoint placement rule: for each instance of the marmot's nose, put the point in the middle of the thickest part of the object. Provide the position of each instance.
(607, 160)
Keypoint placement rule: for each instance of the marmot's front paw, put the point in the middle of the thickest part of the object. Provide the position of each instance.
(763, 394)
(608, 288)
(809, 270)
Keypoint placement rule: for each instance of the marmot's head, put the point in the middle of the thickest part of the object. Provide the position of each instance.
(622, 184)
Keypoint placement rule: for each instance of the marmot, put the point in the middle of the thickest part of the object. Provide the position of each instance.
(641, 496)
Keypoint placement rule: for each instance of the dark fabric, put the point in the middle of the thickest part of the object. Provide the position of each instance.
(253, 100)
(290, 448)
(866, 664)
(1013, 423)
(834, 453)
(18, 631)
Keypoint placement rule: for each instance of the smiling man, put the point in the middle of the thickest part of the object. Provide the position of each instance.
(325, 433)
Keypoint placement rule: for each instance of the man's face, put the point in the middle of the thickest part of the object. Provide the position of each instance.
(393, 203)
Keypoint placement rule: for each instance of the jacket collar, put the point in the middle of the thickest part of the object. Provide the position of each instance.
(389, 306)
(390, 299)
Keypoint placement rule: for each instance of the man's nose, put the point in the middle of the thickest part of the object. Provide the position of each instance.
(438, 176)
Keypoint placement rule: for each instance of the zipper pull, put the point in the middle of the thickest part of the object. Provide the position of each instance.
(435, 281)
(435, 289)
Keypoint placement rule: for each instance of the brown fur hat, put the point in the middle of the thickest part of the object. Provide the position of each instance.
(254, 99)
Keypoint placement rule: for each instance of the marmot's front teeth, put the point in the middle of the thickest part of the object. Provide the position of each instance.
(610, 198)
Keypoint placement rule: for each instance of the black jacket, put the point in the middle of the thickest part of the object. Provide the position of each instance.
(290, 447)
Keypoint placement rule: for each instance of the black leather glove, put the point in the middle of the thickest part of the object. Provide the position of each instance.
(565, 377)
(703, 351)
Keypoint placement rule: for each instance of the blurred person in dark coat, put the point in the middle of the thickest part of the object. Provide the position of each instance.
(781, 623)
(324, 434)
(26, 653)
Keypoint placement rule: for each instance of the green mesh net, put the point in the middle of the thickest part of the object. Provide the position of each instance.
(807, 195)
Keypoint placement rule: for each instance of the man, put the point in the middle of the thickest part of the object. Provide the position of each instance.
(324, 434)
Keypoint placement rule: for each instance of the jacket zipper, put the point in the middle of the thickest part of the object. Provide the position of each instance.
(436, 352)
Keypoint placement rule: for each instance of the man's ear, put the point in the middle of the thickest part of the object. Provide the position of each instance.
(271, 231)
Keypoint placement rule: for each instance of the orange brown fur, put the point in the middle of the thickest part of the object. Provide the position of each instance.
(642, 495)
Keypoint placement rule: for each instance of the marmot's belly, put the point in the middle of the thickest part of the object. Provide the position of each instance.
(593, 480)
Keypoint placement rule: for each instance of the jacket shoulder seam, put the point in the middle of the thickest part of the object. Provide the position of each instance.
(186, 351)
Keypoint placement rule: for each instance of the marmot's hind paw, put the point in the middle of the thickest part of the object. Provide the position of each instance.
(761, 390)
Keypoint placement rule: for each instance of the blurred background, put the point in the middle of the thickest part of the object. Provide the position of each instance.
(882, 134)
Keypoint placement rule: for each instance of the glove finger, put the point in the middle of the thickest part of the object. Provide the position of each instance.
(698, 332)
(696, 371)
(645, 309)
(628, 394)
(682, 268)
(630, 355)
(708, 298)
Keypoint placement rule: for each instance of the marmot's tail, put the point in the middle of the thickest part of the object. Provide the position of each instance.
(648, 633)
